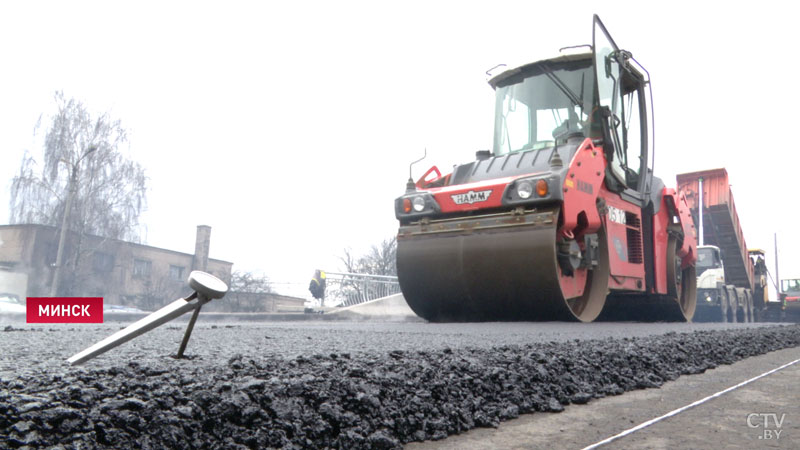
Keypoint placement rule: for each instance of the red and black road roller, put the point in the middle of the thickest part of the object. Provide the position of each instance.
(562, 219)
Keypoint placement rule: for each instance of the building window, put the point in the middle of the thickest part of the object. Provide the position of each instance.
(176, 272)
(141, 268)
(102, 262)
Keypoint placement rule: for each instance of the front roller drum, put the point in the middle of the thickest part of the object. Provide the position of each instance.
(500, 267)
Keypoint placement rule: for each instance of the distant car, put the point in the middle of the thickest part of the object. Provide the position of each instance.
(121, 309)
(10, 303)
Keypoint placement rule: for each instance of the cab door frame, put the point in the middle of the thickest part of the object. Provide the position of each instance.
(626, 197)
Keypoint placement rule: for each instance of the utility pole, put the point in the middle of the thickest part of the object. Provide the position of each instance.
(71, 190)
(777, 275)
(700, 214)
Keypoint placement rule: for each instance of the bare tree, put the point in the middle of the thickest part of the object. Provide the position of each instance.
(82, 183)
(247, 293)
(350, 262)
(158, 291)
(381, 259)
(109, 192)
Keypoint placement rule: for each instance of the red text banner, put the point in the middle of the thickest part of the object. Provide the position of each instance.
(65, 310)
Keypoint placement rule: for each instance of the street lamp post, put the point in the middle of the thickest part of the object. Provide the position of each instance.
(73, 187)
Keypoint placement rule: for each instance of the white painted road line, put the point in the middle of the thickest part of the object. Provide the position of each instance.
(684, 408)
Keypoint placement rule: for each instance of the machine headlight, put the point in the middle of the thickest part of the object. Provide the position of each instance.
(524, 189)
(415, 205)
(419, 204)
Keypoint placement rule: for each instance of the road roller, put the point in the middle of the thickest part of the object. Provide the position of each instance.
(563, 219)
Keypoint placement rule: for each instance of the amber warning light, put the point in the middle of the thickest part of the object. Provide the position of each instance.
(541, 188)
(64, 310)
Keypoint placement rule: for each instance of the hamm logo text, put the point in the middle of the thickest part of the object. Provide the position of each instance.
(471, 197)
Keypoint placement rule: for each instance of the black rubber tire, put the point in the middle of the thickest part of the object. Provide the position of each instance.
(723, 305)
(733, 304)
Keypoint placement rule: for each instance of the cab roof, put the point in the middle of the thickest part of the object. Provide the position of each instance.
(566, 54)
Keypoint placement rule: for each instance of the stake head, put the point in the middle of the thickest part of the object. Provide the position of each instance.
(207, 285)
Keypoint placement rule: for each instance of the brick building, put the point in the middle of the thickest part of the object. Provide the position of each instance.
(123, 273)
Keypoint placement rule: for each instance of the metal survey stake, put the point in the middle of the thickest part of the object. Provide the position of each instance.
(206, 288)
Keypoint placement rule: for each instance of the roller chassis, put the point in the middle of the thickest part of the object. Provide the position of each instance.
(450, 256)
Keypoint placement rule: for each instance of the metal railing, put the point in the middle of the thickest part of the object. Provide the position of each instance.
(347, 289)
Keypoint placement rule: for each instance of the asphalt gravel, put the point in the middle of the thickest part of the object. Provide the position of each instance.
(336, 385)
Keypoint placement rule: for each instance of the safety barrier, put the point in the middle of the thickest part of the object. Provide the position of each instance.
(347, 289)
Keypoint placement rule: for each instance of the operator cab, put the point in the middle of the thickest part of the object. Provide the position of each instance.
(708, 257)
(586, 92)
(791, 287)
(545, 103)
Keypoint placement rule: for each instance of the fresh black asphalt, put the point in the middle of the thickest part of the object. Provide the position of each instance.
(336, 385)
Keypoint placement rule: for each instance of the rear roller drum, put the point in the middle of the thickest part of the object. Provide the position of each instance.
(681, 283)
(677, 306)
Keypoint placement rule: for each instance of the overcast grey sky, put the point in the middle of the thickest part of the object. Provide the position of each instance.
(288, 126)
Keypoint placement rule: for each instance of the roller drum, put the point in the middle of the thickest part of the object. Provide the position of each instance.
(499, 267)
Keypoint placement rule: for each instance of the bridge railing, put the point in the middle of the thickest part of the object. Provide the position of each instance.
(347, 289)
